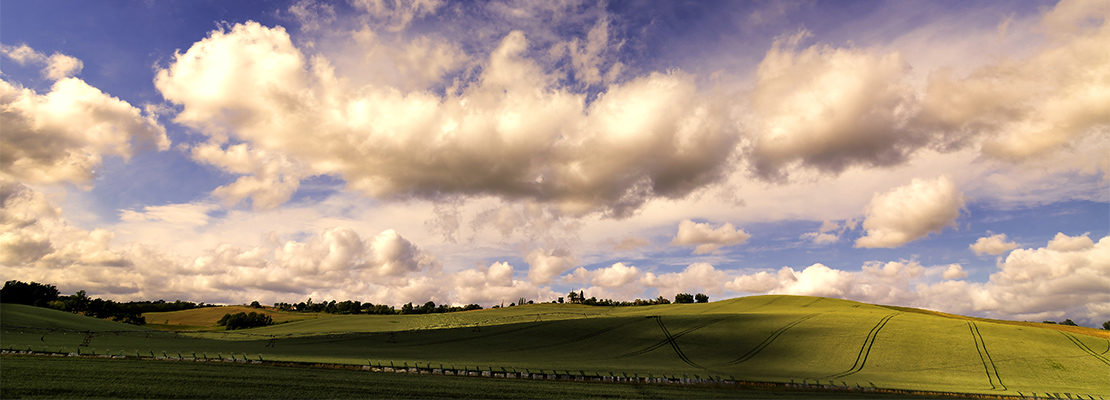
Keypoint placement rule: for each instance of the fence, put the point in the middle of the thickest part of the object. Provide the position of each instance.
(538, 374)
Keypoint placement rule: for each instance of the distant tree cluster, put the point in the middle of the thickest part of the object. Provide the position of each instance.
(1067, 322)
(431, 308)
(357, 307)
(32, 294)
(686, 298)
(245, 320)
(44, 295)
(580, 298)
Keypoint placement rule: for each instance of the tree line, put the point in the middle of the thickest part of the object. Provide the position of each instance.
(681, 298)
(357, 307)
(45, 295)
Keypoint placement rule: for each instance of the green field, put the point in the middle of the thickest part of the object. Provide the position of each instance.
(98, 378)
(762, 338)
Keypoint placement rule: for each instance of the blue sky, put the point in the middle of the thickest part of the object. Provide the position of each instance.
(945, 155)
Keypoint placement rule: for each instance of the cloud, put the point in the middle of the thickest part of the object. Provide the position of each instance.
(696, 277)
(63, 135)
(369, 57)
(35, 238)
(993, 245)
(269, 177)
(954, 271)
(494, 285)
(829, 109)
(588, 59)
(178, 214)
(57, 66)
(395, 15)
(23, 54)
(829, 232)
(510, 134)
(311, 15)
(1065, 243)
(545, 265)
(1026, 108)
(877, 282)
(1066, 279)
(614, 276)
(629, 243)
(706, 238)
(911, 212)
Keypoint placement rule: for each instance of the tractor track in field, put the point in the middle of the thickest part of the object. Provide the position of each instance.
(677, 350)
(813, 302)
(988, 363)
(767, 342)
(579, 338)
(865, 350)
(670, 338)
(1083, 346)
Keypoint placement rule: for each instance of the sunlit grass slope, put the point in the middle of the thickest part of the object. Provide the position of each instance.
(765, 338)
(209, 316)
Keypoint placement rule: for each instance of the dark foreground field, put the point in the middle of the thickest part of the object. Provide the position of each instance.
(55, 377)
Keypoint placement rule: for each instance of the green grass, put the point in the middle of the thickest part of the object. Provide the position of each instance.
(760, 338)
(47, 377)
(205, 318)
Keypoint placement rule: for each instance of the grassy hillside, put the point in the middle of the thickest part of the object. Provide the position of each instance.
(208, 317)
(764, 338)
(26, 316)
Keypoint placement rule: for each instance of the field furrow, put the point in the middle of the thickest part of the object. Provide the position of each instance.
(865, 350)
(988, 362)
(1085, 349)
(767, 342)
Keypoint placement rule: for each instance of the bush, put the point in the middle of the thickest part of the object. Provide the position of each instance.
(683, 298)
(245, 320)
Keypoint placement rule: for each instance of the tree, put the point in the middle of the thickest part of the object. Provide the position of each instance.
(560, 300)
(1106, 325)
(407, 308)
(244, 320)
(572, 297)
(683, 298)
(32, 294)
(1068, 322)
(254, 304)
(701, 298)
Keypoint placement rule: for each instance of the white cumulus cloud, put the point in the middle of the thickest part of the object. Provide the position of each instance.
(993, 245)
(910, 212)
(829, 109)
(706, 238)
(510, 134)
(545, 265)
(616, 275)
(63, 135)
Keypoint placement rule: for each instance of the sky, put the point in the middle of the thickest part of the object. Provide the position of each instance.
(944, 155)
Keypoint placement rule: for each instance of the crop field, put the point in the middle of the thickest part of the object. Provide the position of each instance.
(785, 339)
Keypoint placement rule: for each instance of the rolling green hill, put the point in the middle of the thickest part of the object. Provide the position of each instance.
(206, 317)
(760, 338)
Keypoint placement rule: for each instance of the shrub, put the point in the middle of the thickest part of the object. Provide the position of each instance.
(245, 320)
